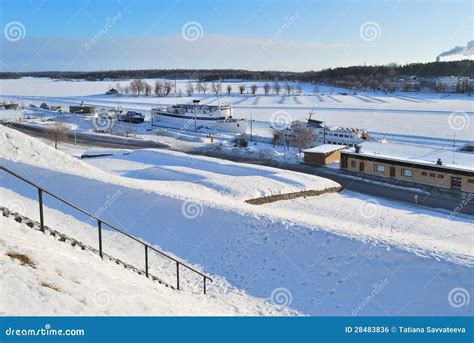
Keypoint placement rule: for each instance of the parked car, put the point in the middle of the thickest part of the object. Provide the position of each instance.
(55, 108)
(131, 117)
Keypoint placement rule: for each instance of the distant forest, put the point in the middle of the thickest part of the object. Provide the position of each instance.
(346, 76)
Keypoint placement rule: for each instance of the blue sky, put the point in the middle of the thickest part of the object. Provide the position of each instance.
(282, 34)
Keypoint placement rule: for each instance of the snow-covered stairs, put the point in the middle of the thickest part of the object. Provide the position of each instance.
(61, 237)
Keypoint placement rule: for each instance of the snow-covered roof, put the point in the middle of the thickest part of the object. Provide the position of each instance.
(325, 148)
(417, 154)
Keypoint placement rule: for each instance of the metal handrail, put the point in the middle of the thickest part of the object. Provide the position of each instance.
(99, 225)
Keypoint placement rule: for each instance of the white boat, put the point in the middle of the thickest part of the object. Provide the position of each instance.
(195, 117)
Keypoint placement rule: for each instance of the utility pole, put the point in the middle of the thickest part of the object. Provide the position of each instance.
(324, 131)
(251, 127)
(195, 120)
(454, 145)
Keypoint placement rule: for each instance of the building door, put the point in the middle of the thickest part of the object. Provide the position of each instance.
(344, 162)
(456, 182)
(361, 166)
(392, 171)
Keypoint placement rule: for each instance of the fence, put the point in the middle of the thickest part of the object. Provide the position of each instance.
(146, 246)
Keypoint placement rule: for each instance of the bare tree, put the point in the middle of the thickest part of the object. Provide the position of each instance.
(242, 89)
(201, 87)
(229, 89)
(158, 88)
(126, 90)
(167, 87)
(288, 88)
(190, 88)
(254, 88)
(57, 133)
(216, 88)
(266, 88)
(137, 86)
(303, 137)
(276, 88)
(147, 88)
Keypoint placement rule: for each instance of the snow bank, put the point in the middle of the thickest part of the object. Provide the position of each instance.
(192, 176)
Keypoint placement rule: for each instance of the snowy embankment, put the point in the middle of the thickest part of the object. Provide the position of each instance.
(324, 254)
(42, 276)
(209, 179)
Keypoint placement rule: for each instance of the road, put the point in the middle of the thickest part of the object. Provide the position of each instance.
(450, 201)
(89, 139)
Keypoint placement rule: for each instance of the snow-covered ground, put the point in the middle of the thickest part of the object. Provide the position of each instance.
(399, 116)
(321, 255)
(63, 280)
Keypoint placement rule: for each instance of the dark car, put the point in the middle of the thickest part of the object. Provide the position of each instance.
(131, 117)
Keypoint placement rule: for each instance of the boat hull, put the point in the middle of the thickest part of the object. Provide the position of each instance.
(190, 123)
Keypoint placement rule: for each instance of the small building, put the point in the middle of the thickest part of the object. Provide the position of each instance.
(112, 91)
(323, 154)
(437, 167)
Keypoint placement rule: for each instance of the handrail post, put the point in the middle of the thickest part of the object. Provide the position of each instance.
(204, 284)
(177, 275)
(40, 200)
(99, 226)
(146, 260)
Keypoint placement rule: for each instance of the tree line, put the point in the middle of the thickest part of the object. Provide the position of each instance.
(165, 87)
(345, 76)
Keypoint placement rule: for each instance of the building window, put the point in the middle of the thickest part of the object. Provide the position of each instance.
(424, 173)
(432, 175)
(440, 176)
(407, 172)
(470, 180)
(354, 164)
(379, 168)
